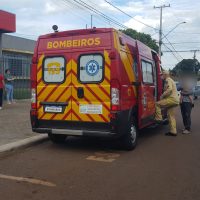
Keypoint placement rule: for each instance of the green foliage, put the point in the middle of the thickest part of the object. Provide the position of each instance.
(187, 66)
(145, 38)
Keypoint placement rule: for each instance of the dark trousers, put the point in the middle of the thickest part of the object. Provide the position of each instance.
(1, 97)
(186, 108)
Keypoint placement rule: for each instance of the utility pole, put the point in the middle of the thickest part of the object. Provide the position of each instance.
(195, 51)
(160, 30)
(91, 21)
(194, 57)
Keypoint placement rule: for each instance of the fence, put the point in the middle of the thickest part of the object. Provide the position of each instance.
(20, 70)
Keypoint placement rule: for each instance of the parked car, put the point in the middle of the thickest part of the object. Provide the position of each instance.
(196, 91)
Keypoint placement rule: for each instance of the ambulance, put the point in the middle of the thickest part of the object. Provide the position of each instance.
(94, 82)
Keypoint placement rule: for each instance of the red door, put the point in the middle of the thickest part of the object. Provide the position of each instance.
(147, 93)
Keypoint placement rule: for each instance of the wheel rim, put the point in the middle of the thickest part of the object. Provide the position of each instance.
(133, 133)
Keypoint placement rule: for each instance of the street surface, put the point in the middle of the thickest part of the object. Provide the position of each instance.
(160, 168)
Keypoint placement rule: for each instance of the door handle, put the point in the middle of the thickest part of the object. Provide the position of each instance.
(80, 92)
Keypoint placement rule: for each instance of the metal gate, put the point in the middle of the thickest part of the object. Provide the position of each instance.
(20, 70)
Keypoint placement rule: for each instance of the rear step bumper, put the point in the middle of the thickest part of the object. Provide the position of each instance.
(71, 132)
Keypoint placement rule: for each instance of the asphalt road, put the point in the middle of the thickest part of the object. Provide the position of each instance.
(160, 168)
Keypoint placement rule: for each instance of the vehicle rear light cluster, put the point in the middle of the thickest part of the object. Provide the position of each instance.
(115, 95)
(34, 113)
(33, 98)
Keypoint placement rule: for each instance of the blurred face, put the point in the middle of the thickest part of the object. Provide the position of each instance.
(163, 76)
(8, 72)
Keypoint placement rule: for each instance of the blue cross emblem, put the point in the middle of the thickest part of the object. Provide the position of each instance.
(92, 67)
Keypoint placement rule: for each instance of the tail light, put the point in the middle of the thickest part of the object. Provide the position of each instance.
(115, 95)
(33, 82)
(33, 98)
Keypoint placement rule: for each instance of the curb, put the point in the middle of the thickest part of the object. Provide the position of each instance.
(23, 143)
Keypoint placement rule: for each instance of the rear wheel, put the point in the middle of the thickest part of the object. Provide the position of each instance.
(129, 140)
(57, 138)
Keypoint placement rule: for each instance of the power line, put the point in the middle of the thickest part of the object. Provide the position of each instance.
(171, 51)
(194, 51)
(97, 17)
(74, 13)
(164, 36)
(85, 5)
(130, 15)
(187, 33)
(182, 51)
(95, 5)
(183, 43)
(174, 48)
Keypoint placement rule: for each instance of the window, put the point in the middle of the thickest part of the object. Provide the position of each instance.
(135, 69)
(147, 72)
(91, 68)
(16, 68)
(19, 64)
(54, 69)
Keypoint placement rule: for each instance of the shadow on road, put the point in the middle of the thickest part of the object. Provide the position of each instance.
(100, 144)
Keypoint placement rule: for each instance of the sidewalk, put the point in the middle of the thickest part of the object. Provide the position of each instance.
(15, 122)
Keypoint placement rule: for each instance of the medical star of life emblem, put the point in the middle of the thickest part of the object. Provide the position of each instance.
(92, 67)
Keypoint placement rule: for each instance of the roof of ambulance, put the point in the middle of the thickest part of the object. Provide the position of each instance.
(77, 32)
(90, 31)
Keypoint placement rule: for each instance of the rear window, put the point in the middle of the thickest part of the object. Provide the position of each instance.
(54, 69)
(91, 68)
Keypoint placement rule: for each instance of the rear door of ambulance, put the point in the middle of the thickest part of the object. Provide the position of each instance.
(73, 76)
(53, 81)
(90, 73)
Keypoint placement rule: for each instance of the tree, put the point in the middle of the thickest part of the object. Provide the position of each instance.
(145, 38)
(187, 66)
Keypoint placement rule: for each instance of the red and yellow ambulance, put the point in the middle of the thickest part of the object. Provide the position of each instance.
(93, 82)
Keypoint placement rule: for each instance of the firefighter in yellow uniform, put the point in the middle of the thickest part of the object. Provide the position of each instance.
(169, 100)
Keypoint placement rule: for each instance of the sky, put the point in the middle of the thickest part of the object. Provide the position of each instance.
(34, 18)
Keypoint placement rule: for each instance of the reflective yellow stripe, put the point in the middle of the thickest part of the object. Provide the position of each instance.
(106, 56)
(116, 41)
(39, 74)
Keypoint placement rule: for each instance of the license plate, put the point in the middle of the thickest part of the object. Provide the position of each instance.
(53, 109)
(90, 109)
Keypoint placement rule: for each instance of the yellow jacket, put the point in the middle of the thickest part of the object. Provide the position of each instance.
(170, 90)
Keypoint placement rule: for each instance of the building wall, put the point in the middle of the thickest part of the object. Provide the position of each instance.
(17, 44)
(16, 56)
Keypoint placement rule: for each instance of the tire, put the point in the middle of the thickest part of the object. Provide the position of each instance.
(57, 138)
(129, 140)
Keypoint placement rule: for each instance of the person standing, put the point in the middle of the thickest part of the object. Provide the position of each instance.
(2, 84)
(169, 100)
(186, 104)
(9, 86)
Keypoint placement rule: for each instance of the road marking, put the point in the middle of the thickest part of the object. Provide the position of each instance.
(103, 157)
(28, 180)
